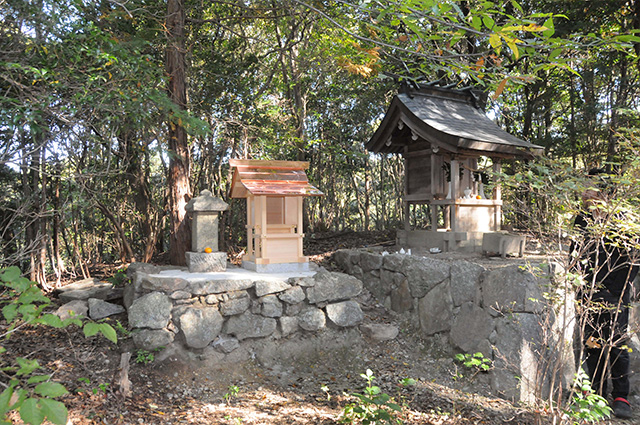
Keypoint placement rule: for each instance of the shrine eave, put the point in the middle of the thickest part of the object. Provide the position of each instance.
(448, 124)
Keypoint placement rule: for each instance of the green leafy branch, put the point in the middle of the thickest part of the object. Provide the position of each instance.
(372, 407)
(476, 361)
(28, 392)
(586, 405)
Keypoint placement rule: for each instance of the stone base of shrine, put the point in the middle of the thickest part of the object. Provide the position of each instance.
(444, 241)
(502, 243)
(276, 267)
(202, 262)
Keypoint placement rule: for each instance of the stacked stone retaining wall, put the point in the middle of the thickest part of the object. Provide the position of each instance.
(468, 308)
(216, 315)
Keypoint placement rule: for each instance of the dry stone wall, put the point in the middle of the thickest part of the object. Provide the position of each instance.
(220, 314)
(468, 308)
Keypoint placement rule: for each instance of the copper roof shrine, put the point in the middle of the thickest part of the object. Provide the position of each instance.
(274, 192)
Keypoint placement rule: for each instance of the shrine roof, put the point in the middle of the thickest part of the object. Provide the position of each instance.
(270, 178)
(445, 119)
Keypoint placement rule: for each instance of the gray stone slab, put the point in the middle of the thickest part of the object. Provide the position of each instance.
(150, 311)
(202, 262)
(345, 314)
(164, 284)
(424, 273)
(288, 325)
(200, 326)
(147, 339)
(379, 332)
(512, 289)
(220, 286)
(226, 344)
(312, 319)
(435, 310)
(333, 286)
(248, 325)
(89, 288)
(271, 306)
(266, 287)
(293, 295)
(233, 306)
(100, 309)
(277, 267)
(75, 308)
(471, 327)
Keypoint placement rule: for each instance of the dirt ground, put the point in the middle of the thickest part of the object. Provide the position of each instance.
(313, 390)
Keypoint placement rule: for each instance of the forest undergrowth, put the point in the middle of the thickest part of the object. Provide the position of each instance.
(420, 385)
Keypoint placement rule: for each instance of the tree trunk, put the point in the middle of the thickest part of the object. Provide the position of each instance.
(179, 154)
(636, 26)
(137, 160)
(126, 253)
(367, 199)
(77, 245)
(56, 258)
(36, 228)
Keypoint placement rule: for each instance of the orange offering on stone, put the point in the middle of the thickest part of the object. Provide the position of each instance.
(208, 250)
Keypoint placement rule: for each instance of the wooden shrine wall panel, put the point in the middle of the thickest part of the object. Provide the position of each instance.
(438, 179)
(275, 209)
(291, 209)
(282, 249)
(418, 174)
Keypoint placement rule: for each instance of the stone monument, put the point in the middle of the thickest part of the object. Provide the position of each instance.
(205, 210)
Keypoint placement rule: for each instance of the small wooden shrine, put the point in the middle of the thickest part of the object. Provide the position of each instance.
(274, 191)
(442, 134)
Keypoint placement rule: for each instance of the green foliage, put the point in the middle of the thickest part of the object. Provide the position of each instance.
(586, 406)
(476, 361)
(86, 381)
(119, 279)
(144, 357)
(121, 330)
(29, 391)
(231, 393)
(372, 407)
(92, 328)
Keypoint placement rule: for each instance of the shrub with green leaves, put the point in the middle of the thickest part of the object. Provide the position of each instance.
(231, 393)
(586, 406)
(372, 407)
(29, 391)
(476, 361)
(144, 357)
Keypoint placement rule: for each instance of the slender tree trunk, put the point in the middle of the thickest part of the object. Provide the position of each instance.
(55, 231)
(367, 197)
(291, 76)
(126, 253)
(36, 227)
(572, 129)
(179, 154)
(636, 26)
(137, 172)
(77, 245)
(618, 101)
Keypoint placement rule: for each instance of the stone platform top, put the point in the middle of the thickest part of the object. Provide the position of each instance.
(232, 273)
